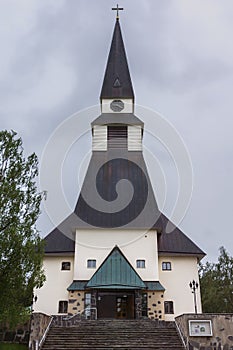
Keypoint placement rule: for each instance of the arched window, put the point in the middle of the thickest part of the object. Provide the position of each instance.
(166, 266)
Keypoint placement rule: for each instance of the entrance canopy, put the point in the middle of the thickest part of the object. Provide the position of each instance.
(116, 273)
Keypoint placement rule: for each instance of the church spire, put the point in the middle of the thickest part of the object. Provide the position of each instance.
(117, 82)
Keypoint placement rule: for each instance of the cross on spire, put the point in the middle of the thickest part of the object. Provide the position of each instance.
(117, 9)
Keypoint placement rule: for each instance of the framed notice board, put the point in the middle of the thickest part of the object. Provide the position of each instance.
(200, 328)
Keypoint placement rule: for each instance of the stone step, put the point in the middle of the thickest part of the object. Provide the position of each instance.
(114, 334)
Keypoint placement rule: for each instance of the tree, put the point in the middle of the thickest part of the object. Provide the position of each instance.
(21, 248)
(216, 281)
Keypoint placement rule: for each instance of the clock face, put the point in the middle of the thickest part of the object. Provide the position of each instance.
(117, 105)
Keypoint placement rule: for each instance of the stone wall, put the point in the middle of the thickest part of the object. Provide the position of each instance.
(39, 323)
(222, 327)
(75, 302)
(155, 305)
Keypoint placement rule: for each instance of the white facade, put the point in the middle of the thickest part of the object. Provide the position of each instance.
(176, 283)
(134, 244)
(55, 286)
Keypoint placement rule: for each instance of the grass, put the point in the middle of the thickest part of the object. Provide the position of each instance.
(10, 346)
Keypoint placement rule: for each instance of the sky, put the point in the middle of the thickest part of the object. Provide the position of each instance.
(180, 54)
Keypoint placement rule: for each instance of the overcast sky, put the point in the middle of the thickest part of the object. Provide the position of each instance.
(180, 53)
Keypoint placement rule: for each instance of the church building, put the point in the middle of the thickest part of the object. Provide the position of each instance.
(113, 253)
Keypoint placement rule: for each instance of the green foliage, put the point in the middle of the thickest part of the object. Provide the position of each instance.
(21, 248)
(12, 346)
(216, 281)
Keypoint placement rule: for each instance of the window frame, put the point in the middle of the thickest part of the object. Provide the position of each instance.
(62, 306)
(68, 263)
(166, 266)
(91, 263)
(140, 263)
(168, 307)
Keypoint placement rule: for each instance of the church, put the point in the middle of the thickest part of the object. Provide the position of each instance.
(113, 253)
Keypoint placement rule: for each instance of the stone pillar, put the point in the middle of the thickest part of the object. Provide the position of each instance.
(138, 304)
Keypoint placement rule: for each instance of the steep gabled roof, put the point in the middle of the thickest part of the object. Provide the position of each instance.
(116, 272)
(172, 241)
(117, 81)
(105, 171)
(58, 243)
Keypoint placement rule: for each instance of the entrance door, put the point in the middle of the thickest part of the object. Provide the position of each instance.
(115, 305)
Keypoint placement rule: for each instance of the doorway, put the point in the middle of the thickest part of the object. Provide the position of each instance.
(117, 305)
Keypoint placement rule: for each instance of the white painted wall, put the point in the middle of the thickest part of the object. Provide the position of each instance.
(134, 244)
(129, 107)
(176, 282)
(55, 286)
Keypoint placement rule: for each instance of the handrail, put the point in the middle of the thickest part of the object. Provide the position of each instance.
(81, 312)
(45, 333)
(181, 335)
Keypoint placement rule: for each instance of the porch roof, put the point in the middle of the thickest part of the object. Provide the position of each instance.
(150, 285)
(116, 272)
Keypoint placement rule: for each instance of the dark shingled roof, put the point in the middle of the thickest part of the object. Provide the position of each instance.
(172, 241)
(117, 82)
(56, 243)
(105, 171)
(61, 240)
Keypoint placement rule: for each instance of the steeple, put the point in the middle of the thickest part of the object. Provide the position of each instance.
(117, 82)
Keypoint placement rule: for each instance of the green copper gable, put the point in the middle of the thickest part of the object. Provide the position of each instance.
(116, 273)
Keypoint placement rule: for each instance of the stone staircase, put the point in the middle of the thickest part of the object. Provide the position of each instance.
(114, 334)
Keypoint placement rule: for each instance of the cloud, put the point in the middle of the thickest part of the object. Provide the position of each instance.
(52, 62)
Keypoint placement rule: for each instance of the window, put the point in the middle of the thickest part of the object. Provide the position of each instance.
(87, 305)
(91, 264)
(166, 266)
(65, 265)
(168, 307)
(63, 307)
(140, 264)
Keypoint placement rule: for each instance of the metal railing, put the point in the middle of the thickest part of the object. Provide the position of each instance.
(86, 313)
(181, 336)
(41, 342)
(89, 313)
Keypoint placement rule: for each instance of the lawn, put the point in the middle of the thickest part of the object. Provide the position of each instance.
(10, 346)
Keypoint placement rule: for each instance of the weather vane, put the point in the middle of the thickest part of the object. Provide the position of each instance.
(117, 9)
